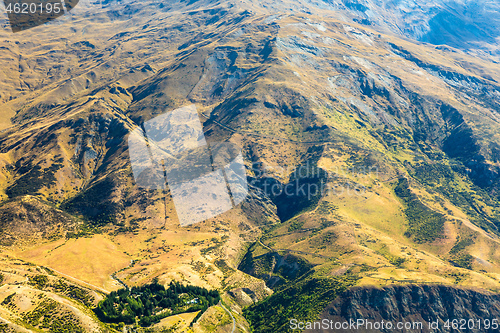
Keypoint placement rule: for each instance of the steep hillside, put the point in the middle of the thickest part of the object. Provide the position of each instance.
(372, 158)
(393, 304)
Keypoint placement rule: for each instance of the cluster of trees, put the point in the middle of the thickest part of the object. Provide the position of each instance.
(467, 196)
(39, 281)
(33, 177)
(463, 260)
(151, 303)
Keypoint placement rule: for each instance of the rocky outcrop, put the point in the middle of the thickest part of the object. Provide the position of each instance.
(273, 268)
(415, 304)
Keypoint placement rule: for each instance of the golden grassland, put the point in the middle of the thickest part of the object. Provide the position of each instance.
(92, 259)
(181, 322)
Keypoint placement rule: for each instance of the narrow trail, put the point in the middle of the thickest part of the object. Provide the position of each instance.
(79, 281)
(234, 320)
(113, 276)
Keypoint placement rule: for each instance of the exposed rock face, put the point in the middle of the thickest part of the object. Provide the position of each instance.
(413, 304)
(273, 267)
(462, 24)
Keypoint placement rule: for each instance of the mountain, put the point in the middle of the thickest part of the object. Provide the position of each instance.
(395, 303)
(371, 146)
(472, 26)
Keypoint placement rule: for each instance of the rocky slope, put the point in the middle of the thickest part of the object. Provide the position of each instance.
(399, 305)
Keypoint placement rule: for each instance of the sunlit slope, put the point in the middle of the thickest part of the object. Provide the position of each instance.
(359, 98)
(408, 134)
(36, 299)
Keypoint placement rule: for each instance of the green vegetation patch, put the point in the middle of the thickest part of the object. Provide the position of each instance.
(326, 208)
(304, 301)
(274, 268)
(424, 224)
(95, 204)
(464, 260)
(296, 224)
(7, 300)
(451, 182)
(397, 261)
(151, 303)
(461, 245)
(39, 281)
(393, 259)
(49, 316)
(33, 178)
(74, 292)
(223, 266)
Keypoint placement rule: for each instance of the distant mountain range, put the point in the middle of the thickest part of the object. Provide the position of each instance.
(469, 25)
(379, 118)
